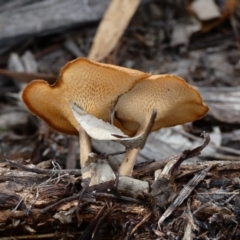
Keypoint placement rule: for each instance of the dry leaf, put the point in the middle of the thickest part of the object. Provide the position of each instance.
(205, 9)
(101, 172)
(207, 17)
(100, 130)
(96, 128)
(65, 216)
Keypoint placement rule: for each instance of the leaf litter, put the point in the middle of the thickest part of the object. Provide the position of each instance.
(207, 58)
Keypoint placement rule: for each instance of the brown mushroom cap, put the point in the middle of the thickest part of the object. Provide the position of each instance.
(94, 87)
(176, 103)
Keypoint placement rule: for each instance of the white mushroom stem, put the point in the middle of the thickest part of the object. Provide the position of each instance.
(85, 147)
(127, 165)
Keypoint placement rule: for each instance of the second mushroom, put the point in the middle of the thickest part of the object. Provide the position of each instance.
(175, 101)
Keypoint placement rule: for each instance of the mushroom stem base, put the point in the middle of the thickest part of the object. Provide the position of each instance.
(85, 147)
(127, 165)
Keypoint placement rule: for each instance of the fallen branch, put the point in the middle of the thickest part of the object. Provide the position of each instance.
(186, 154)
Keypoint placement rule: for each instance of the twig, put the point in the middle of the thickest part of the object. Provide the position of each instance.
(129, 199)
(219, 165)
(190, 224)
(86, 185)
(151, 167)
(102, 215)
(76, 197)
(87, 233)
(76, 172)
(117, 153)
(36, 236)
(141, 223)
(226, 149)
(190, 153)
(65, 200)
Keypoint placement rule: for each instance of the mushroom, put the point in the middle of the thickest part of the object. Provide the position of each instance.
(94, 87)
(175, 101)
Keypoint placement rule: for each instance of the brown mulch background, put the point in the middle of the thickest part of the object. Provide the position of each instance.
(38, 39)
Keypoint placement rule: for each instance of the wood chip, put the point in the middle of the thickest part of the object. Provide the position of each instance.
(111, 28)
(205, 9)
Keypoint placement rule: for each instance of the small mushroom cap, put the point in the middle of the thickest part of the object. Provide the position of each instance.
(176, 103)
(94, 87)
